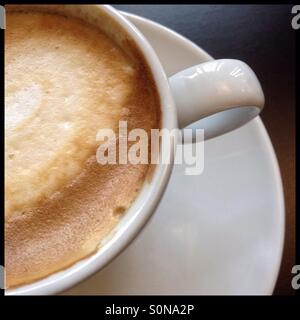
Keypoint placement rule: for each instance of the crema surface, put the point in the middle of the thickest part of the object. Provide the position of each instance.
(64, 81)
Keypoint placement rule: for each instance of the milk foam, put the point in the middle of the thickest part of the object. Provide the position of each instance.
(21, 104)
(64, 81)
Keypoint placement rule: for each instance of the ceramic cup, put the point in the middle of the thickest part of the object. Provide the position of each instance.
(223, 94)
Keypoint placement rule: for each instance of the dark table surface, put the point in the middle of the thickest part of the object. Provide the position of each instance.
(260, 35)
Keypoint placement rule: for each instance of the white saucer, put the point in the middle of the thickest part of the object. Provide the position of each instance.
(218, 233)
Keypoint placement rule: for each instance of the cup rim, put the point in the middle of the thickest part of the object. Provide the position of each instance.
(146, 201)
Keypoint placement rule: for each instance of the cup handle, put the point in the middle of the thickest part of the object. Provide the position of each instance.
(223, 94)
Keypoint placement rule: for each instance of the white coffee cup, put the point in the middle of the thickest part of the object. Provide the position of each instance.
(222, 94)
